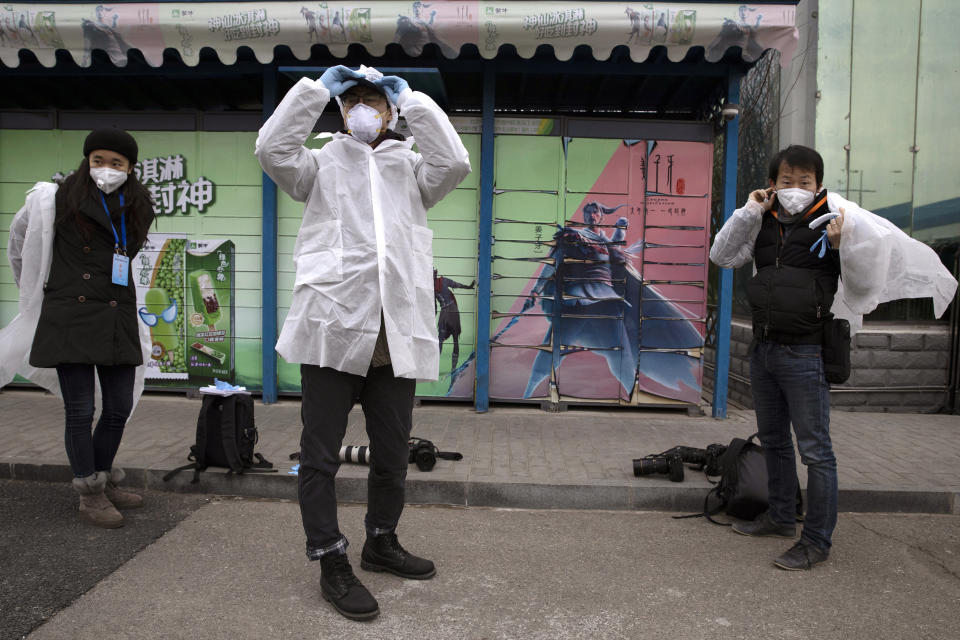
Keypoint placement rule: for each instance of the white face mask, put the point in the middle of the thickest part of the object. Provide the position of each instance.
(107, 180)
(364, 123)
(794, 200)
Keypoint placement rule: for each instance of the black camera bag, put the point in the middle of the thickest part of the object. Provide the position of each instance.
(741, 491)
(836, 350)
(226, 436)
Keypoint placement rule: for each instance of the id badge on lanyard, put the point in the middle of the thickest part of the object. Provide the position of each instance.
(120, 272)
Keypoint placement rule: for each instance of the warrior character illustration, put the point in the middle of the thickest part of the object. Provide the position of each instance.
(591, 309)
(448, 322)
(413, 33)
(312, 25)
(737, 33)
(600, 294)
(102, 34)
(634, 16)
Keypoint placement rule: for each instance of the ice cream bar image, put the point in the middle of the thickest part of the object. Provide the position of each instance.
(219, 356)
(205, 296)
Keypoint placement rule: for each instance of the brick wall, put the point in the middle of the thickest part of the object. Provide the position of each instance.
(893, 368)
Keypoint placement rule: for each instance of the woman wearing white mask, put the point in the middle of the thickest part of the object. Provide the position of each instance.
(361, 319)
(87, 322)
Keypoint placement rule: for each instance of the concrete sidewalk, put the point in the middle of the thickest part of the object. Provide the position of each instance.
(513, 456)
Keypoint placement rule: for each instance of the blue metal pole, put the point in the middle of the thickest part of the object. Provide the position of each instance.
(268, 256)
(725, 295)
(485, 240)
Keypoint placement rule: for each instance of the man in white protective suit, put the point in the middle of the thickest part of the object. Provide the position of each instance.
(361, 320)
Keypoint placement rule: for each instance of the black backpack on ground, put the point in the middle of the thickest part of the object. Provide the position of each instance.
(741, 491)
(226, 436)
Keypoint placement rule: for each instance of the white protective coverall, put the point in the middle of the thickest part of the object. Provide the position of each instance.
(30, 251)
(878, 261)
(363, 244)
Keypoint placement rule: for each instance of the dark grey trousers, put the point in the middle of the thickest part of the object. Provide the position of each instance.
(328, 397)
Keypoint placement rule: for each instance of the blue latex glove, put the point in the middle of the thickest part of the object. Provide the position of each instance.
(393, 86)
(339, 78)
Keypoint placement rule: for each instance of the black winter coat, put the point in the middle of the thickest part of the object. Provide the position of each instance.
(793, 289)
(85, 318)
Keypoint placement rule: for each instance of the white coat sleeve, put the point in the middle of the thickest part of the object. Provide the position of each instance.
(279, 146)
(733, 246)
(18, 233)
(444, 161)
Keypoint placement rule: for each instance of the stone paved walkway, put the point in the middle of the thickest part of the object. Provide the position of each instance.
(513, 456)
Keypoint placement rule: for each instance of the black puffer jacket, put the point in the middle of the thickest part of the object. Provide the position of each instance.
(85, 318)
(793, 289)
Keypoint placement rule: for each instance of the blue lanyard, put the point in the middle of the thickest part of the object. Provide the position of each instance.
(123, 225)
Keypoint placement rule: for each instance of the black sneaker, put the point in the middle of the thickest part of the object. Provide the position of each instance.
(384, 553)
(764, 526)
(801, 556)
(341, 588)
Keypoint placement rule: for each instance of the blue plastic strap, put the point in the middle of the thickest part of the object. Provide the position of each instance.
(123, 224)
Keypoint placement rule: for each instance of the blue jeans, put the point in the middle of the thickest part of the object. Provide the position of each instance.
(789, 386)
(88, 453)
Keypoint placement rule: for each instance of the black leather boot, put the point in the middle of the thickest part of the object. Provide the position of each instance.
(384, 553)
(342, 589)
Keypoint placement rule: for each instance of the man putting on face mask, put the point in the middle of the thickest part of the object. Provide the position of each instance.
(361, 319)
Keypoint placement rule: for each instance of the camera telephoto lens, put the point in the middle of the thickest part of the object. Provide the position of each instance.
(649, 465)
(670, 464)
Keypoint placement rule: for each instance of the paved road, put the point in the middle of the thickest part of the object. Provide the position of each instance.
(235, 568)
(49, 558)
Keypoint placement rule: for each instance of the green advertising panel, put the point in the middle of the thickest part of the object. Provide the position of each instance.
(210, 310)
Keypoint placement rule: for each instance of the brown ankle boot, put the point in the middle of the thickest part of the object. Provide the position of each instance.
(94, 506)
(121, 499)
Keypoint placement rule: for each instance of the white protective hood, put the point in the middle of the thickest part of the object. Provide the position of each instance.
(878, 261)
(30, 251)
(363, 246)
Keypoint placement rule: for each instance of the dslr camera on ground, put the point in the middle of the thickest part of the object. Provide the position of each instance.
(671, 461)
(423, 453)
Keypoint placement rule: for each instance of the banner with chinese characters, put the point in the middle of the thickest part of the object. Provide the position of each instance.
(188, 27)
(166, 179)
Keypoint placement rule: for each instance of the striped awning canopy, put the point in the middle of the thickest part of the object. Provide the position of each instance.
(187, 27)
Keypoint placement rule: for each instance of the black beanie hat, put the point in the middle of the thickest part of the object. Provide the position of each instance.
(111, 139)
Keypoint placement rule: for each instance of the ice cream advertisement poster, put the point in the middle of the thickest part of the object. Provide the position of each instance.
(209, 314)
(159, 274)
(185, 297)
